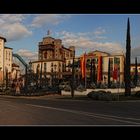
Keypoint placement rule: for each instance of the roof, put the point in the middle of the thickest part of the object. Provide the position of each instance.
(8, 48)
(3, 38)
(48, 37)
(101, 52)
(66, 48)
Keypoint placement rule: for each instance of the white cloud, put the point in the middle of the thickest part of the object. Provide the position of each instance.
(86, 41)
(28, 55)
(12, 27)
(135, 52)
(100, 31)
(48, 19)
(15, 31)
(11, 18)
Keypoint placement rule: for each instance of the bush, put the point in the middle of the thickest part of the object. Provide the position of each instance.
(102, 95)
(81, 88)
(137, 94)
(67, 88)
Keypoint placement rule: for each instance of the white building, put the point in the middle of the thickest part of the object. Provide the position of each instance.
(5, 59)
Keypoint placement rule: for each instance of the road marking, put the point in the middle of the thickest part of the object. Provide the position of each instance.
(102, 116)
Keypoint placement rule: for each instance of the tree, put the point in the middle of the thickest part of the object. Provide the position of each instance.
(72, 79)
(91, 71)
(109, 73)
(127, 64)
(136, 73)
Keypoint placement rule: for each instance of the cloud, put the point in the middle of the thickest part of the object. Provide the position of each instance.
(86, 41)
(99, 31)
(28, 55)
(11, 18)
(48, 19)
(16, 31)
(12, 27)
(135, 52)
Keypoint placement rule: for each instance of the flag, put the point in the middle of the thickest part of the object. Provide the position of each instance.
(83, 65)
(115, 72)
(99, 75)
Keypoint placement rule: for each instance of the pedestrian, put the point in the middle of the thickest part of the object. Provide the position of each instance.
(17, 87)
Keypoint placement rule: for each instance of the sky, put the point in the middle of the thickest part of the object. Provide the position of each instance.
(87, 32)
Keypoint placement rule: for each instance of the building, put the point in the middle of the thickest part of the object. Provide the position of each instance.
(55, 59)
(101, 62)
(52, 57)
(116, 63)
(132, 71)
(5, 60)
(16, 72)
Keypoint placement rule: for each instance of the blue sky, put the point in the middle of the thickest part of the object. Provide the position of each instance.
(87, 32)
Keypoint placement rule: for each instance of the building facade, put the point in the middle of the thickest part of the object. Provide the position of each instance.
(52, 57)
(5, 60)
(101, 68)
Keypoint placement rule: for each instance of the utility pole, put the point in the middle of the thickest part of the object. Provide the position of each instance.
(127, 64)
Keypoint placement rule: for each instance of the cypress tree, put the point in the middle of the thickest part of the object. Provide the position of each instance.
(109, 73)
(127, 64)
(136, 73)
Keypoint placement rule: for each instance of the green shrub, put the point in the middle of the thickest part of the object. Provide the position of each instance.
(137, 94)
(102, 95)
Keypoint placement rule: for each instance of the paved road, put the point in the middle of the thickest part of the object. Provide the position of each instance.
(49, 110)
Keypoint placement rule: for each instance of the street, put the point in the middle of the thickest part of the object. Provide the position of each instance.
(56, 110)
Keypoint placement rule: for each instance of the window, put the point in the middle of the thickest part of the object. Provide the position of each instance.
(6, 55)
(45, 67)
(9, 56)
